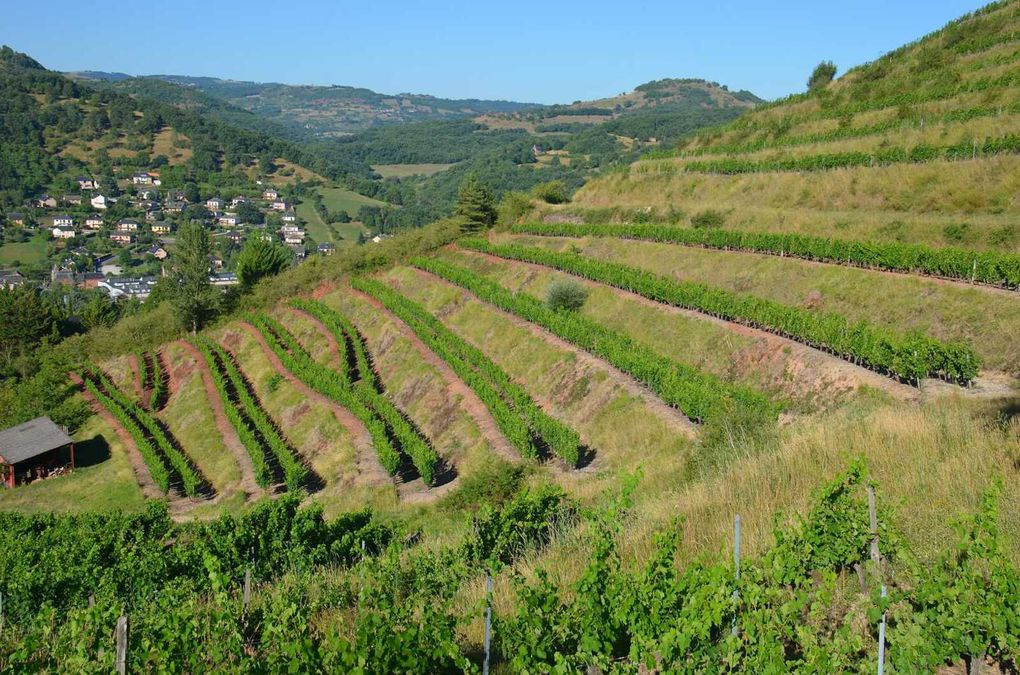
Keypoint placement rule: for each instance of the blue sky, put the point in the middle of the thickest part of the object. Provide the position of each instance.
(527, 50)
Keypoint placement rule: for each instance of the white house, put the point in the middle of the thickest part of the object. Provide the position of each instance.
(142, 179)
(63, 232)
(230, 219)
(94, 222)
(269, 194)
(214, 204)
(100, 202)
(278, 205)
(62, 220)
(289, 217)
(122, 237)
(127, 224)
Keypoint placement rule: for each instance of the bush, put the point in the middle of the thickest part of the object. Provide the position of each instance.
(566, 295)
(822, 75)
(709, 218)
(553, 192)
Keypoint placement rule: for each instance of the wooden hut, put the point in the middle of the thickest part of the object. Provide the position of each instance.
(33, 450)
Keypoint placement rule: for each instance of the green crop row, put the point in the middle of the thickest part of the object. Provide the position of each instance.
(245, 432)
(369, 388)
(986, 267)
(515, 412)
(700, 396)
(330, 384)
(157, 379)
(157, 449)
(832, 135)
(909, 357)
(920, 153)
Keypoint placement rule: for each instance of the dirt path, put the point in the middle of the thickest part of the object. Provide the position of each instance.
(370, 470)
(454, 385)
(136, 372)
(149, 488)
(814, 365)
(675, 419)
(223, 426)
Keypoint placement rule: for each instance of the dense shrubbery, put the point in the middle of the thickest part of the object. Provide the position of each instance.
(987, 267)
(568, 296)
(518, 416)
(910, 356)
(700, 396)
(809, 603)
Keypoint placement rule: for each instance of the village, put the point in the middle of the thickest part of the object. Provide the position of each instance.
(119, 236)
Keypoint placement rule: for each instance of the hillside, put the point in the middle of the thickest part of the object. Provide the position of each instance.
(322, 111)
(749, 403)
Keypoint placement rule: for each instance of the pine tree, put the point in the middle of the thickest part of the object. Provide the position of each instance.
(475, 205)
(260, 258)
(193, 296)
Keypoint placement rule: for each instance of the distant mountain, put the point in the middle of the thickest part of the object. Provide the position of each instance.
(318, 110)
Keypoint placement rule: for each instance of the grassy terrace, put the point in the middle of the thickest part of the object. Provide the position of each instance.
(807, 384)
(987, 320)
(190, 419)
(310, 427)
(623, 428)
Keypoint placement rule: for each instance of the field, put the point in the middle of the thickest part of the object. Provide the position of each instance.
(336, 200)
(405, 170)
(26, 253)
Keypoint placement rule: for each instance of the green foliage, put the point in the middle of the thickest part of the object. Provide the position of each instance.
(265, 443)
(167, 463)
(909, 356)
(700, 396)
(821, 76)
(1008, 144)
(475, 205)
(513, 207)
(988, 267)
(25, 321)
(528, 521)
(708, 219)
(519, 418)
(329, 383)
(258, 259)
(369, 389)
(568, 296)
(193, 298)
(553, 192)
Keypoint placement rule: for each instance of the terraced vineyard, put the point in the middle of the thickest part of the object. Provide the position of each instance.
(825, 287)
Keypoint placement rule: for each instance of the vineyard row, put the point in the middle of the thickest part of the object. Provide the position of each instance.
(984, 267)
(518, 416)
(699, 395)
(909, 357)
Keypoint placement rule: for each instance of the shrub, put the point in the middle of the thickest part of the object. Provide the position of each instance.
(553, 192)
(709, 218)
(566, 295)
(822, 75)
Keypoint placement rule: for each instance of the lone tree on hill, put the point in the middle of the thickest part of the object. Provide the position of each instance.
(258, 259)
(822, 75)
(475, 205)
(193, 297)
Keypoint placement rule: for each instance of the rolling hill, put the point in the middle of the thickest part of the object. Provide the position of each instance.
(321, 111)
(806, 318)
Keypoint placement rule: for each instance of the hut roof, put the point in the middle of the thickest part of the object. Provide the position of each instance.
(31, 439)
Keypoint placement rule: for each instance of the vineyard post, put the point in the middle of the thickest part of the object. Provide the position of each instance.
(121, 663)
(488, 621)
(876, 557)
(247, 593)
(736, 565)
